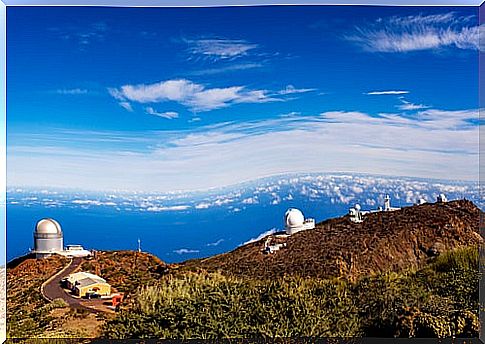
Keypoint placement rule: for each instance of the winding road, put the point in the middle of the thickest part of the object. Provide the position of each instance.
(51, 289)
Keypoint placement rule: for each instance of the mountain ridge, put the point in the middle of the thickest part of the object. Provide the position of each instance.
(340, 248)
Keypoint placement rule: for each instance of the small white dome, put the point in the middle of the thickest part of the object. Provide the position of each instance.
(48, 226)
(294, 218)
(357, 206)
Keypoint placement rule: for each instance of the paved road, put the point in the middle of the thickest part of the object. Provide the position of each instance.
(52, 289)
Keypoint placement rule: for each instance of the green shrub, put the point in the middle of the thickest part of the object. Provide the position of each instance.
(59, 303)
(460, 259)
(440, 300)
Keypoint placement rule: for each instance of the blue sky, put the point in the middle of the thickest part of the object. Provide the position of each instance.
(162, 99)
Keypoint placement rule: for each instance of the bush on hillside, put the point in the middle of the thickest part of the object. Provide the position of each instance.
(440, 300)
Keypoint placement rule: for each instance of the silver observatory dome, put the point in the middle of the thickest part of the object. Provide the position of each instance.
(48, 237)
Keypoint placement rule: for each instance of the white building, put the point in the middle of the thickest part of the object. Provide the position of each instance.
(421, 201)
(49, 240)
(296, 222)
(356, 214)
(75, 251)
(441, 198)
(387, 204)
(270, 248)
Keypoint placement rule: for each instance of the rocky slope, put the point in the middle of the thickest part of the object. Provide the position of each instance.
(338, 247)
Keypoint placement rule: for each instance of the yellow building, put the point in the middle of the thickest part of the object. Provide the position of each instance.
(82, 283)
(89, 285)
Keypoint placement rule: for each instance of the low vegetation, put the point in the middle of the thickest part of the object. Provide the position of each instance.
(439, 300)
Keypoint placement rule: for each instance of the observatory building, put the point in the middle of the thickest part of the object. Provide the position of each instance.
(296, 222)
(48, 238)
(356, 214)
(387, 204)
(441, 198)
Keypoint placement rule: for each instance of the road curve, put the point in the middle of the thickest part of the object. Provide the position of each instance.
(52, 288)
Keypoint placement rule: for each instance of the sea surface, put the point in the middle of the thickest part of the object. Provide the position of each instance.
(180, 226)
(173, 235)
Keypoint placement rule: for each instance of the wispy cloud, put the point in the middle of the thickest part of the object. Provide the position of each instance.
(229, 68)
(430, 143)
(216, 243)
(259, 237)
(195, 96)
(83, 36)
(168, 208)
(126, 106)
(418, 32)
(381, 93)
(408, 106)
(290, 89)
(185, 251)
(291, 114)
(167, 114)
(72, 91)
(219, 49)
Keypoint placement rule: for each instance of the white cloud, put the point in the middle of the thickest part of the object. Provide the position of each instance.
(185, 251)
(380, 93)
(289, 197)
(220, 49)
(291, 114)
(72, 91)
(82, 35)
(408, 106)
(126, 106)
(215, 243)
(429, 143)
(167, 114)
(195, 96)
(411, 107)
(195, 119)
(203, 205)
(230, 68)
(290, 89)
(92, 202)
(250, 200)
(259, 237)
(420, 32)
(171, 208)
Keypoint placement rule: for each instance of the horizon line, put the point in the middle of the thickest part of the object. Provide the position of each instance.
(237, 184)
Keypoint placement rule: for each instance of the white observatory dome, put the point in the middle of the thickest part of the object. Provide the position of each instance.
(48, 226)
(48, 238)
(294, 218)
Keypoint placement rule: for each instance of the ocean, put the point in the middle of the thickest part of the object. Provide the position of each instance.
(173, 236)
(180, 226)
